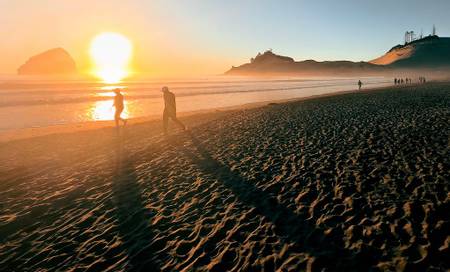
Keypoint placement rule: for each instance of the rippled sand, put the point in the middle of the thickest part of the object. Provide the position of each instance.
(348, 182)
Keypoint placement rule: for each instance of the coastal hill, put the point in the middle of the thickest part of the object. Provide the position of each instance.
(431, 51)
(271, 63)
(55, 61)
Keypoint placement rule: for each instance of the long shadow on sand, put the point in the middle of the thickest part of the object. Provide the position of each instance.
(132, 216)
(328, 250)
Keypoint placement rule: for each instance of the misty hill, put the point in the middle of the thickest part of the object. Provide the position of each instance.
(269, 63)
(55, 61)
(429, 52)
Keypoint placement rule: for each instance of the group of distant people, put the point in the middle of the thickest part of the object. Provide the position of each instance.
(422, 80)
(401, 81)
(170, 109)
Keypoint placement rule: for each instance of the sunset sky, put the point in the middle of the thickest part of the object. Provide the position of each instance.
(173, 38)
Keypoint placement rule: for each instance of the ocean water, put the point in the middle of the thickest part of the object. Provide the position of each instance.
(27, 103)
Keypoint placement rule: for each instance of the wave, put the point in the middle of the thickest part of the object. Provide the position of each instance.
(210, 90)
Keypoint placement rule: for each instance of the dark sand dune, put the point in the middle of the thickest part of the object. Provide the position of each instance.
(346, 183)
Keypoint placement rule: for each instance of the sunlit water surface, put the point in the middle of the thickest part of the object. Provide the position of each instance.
(39, 103)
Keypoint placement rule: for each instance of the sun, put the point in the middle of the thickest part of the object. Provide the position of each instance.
(111, 54)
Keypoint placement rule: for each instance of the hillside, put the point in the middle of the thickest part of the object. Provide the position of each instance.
(429, 52)
(270, 63)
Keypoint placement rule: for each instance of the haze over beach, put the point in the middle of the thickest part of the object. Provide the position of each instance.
(224, 135)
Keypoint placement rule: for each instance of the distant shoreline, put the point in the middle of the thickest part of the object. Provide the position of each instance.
(26, 133)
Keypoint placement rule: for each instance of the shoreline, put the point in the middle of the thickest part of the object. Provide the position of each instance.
(28, 133)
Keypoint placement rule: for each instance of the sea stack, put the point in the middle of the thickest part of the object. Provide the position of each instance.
(55, 61)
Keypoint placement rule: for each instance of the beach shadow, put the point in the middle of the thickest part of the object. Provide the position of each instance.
(328, 250)
(133, 217)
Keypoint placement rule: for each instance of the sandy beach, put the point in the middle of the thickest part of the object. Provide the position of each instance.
(348, 182)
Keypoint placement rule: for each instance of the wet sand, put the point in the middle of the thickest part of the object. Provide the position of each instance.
(346, 182)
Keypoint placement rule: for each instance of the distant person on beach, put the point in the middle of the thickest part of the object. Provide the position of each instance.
(359, 84)
(170, 110)
(118, 105)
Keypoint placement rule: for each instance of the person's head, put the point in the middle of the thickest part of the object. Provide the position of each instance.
(165, 89)
(117, 91)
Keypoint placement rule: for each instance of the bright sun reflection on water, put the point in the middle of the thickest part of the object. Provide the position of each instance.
(104, 110)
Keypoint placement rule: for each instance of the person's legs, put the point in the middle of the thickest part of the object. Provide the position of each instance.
(178, 122)
(117, 117)
(165, 121)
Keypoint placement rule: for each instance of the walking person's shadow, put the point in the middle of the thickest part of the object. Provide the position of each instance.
(328, 251)
(132, 216)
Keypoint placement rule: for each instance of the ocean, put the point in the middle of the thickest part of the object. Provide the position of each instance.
(29, 103)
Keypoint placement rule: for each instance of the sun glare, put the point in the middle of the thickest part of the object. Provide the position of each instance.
(111, 54)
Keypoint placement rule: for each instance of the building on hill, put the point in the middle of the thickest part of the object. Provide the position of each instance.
(410, 36)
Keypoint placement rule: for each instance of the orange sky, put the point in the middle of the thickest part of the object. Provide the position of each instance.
(160, 47)
(193, 37)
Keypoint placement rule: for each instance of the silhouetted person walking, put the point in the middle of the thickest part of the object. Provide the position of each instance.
(359, 84)
(118, 105)
(170, 110)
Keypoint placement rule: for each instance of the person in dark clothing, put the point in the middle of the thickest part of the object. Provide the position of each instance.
(118, 105)
(170, 110)
(359, 84)
(395, 81)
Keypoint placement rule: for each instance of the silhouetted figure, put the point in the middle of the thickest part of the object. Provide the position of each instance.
(118, 105)
(170, 110)
(359, 84)
(395, 81)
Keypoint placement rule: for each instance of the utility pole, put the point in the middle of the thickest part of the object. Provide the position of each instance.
(434, 30)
